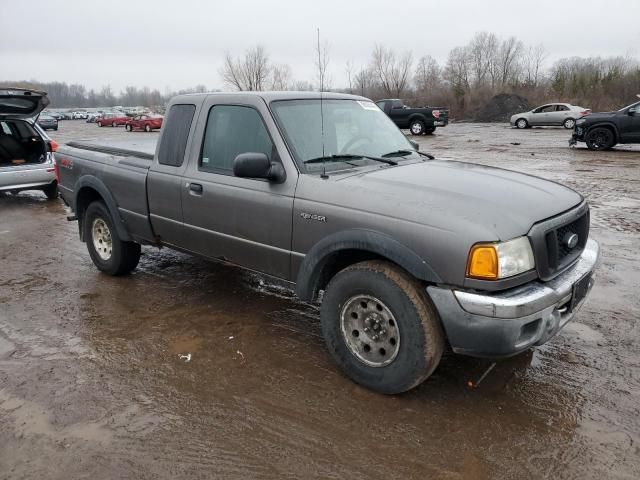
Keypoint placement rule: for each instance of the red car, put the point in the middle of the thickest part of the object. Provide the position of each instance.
(144, 122)
(113, 119)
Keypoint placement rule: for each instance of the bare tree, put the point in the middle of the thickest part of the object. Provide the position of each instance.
(391, 70)
(249, 73)
(482, 51)
(281, 77)
(427, 75)
(507, 65)
(322, 62)
(364, 82)
(457, 71)
(534, 59)
(349, 71)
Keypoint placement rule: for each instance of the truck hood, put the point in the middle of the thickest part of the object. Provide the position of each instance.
(599, 116)
(457, 196)
(21, 103)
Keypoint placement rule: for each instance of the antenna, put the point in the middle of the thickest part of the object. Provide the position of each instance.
(321, 75)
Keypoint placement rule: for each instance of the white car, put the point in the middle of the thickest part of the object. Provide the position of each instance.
(551, 114)
(26, 152)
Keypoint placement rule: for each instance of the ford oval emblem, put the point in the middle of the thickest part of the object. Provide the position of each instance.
(570, 240)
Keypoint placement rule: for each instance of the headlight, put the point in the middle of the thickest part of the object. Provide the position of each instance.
(493, 261)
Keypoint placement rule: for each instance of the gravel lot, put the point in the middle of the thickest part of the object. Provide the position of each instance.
(92, 384)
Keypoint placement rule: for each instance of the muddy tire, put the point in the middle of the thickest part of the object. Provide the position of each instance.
(109, 253)
(147, 128)
(416, 127)
(114, 124)
(569, 123)
(99, 124)
(128, 128)
(51, 191)
(381, 327)
(522, 123)
(600, 139)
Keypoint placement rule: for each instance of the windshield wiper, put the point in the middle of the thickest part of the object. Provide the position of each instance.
(399, 153)
(348, 156)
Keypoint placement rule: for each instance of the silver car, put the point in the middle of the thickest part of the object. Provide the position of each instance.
(26, 152)
(551, 114)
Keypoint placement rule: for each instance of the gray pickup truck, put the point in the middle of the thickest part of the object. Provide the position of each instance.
(407, 254)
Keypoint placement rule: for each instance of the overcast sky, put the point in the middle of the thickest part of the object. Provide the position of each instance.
(168, 44)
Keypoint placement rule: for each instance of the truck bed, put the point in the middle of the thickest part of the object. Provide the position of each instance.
(122, 172)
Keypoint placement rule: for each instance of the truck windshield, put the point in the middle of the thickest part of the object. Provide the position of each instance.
(352, 128)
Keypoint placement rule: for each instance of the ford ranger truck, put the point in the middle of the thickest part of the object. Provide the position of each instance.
(408, 254)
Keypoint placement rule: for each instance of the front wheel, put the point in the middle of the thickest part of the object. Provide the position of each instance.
(114, 124)
(99, 124)
(128, 127)
(109, 253)
(381, 327)
(416, 127)
(569, 123)
(147, 128)
(600, 139)
(522, 123)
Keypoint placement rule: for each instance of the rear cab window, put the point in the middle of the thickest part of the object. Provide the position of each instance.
(174, 139)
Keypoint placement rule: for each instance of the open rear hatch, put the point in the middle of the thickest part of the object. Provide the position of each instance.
(21, 103)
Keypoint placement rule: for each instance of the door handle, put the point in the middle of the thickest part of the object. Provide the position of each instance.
(196, 188)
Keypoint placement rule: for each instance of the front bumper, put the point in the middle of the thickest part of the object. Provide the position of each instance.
(577, 135)
(506, 323)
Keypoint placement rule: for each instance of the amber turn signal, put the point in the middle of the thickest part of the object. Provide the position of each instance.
(483, 262)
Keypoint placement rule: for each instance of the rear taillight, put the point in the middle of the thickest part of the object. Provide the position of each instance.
(436, 113)
(585, 112)
(53, 146)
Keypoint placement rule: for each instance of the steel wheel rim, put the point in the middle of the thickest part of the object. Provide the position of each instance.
(101, 237)
(416, 128)
(370, 330)
(521, 123)
(570, 123)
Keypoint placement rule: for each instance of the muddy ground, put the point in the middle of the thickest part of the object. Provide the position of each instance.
(93, 383)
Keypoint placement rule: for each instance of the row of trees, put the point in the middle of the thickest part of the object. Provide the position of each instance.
(472, 74)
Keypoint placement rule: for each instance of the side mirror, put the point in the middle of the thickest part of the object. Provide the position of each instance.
(415, 144)
(633, 111)
(257, 165)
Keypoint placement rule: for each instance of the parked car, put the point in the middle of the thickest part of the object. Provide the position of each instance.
(56, 115)
(144, 122)
(551, 114)
(47, 122)
(411, 253)
(113, 119)
(26, 152)
(419, 121)
(79, 115)
(601, 131)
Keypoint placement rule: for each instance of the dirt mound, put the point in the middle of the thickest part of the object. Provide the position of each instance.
(501, 107)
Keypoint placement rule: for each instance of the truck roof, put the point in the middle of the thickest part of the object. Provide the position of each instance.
(271, 96)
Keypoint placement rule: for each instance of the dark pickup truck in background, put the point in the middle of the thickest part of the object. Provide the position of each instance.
(412, 253)
(419, 121)
(603, 130)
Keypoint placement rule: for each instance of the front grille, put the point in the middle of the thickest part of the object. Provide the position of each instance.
(549, 240)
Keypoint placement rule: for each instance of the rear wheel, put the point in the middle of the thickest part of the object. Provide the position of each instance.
(109, 253)
(381, 327)
(600, 139)
(114, 124)
(99, 124)
(416, 127)
(147, 128)
(128, 127)
(51, 191)
(522, 123)
(569, 123)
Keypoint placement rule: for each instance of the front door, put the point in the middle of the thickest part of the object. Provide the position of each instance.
(540, 115)
(241, 220)
(630, 124)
